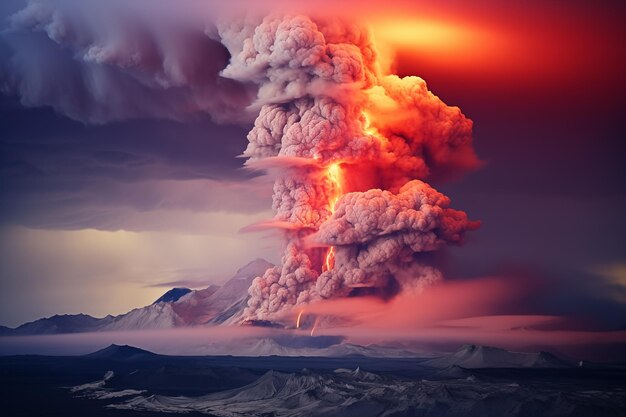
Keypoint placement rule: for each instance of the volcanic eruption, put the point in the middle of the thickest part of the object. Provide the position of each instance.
(351, 148)
(350, 145)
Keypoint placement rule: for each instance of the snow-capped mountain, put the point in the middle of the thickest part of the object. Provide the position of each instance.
(473, 356)
(172, 295)
(61, 323)
(177, 307)
(141, 382)
(215, 305)
(269, 346)
(154, 316)
(305, 346)
(355, 392)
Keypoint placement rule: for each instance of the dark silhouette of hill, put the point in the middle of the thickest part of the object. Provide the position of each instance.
(121, 352)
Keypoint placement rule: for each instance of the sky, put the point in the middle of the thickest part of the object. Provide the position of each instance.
(116, 187)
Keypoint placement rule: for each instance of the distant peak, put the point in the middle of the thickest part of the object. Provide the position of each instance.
(114, 351)
(476, 356)
(470, 347)
(253, 268)
(172, 295)
(117, 347)
(56, 316)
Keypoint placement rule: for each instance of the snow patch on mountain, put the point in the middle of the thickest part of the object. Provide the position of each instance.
(155, 316)
(346, 392)
(99, 390)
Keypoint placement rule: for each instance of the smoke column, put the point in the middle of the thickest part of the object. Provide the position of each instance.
(351, 147)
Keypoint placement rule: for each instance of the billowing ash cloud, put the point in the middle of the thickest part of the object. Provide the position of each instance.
(349, 145)
(375, 233)
(347, 140)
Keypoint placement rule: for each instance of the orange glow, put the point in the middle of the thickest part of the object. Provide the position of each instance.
(501, 44)
(444, 40)
(425, 34)
(369, 129)
(334, 175)
(329, 263)
(314, 327)
(298, 319)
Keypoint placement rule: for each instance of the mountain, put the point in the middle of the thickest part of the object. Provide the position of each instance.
(158, 385)
(232, 297)
(355, 392)
(473, 356)
(176, 308)
(66, 323)
(121, 353)
(172, 295)
(454, 372)
(154, 316)
(304, 346)
(212, 305)
(197, 307)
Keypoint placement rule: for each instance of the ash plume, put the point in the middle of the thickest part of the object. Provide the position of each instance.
(356, 213)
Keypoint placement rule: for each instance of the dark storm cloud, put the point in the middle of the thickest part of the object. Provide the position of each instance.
(139, 149)
(144, 81)
(56, 173)
(99, 62)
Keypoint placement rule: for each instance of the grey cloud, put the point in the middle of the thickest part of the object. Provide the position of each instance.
(102, 61)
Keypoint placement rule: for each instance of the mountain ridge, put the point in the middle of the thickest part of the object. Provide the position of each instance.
(177, 307)
(172, 295)
(472, 356)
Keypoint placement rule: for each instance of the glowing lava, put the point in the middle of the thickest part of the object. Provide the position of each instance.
(367, 127)
(314, 327)
(329, 262)
(334, 175)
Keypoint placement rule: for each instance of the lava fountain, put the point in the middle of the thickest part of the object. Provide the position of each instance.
(334, 175)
